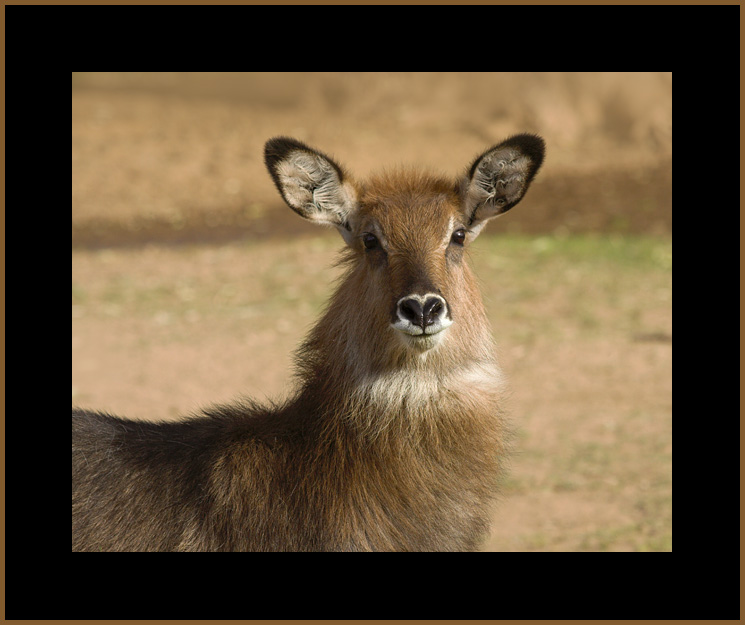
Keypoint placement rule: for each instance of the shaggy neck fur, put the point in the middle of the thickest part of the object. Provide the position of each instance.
(400, 432)
(368, 378)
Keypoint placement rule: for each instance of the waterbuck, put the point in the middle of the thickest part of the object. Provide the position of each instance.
(393, 438)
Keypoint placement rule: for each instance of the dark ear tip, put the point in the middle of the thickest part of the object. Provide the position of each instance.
(531, 145)
(278, 147)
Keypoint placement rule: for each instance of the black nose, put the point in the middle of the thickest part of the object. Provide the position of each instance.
(419, 314)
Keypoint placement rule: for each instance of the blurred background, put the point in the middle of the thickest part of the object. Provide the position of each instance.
(193, 282)
(178, 156)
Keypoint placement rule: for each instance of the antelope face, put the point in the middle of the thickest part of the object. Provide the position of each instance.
(410, 235)
(407, 230)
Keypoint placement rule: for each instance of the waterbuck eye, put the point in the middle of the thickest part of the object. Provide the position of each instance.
(370, 241)
(459, 236)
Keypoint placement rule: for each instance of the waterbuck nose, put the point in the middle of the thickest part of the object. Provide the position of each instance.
(422, 314)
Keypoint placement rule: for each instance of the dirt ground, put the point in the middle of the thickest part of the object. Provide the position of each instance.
(192, 282)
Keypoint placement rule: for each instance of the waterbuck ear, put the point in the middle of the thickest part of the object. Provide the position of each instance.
(499, 178)
(311, 183)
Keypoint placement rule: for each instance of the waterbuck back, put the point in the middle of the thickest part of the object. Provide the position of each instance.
(393, 438)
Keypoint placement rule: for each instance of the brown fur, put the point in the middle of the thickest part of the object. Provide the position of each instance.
(382, 447)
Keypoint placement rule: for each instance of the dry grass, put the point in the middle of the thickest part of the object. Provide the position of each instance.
(584, 326)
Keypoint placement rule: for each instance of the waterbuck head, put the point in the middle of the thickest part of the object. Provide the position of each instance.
(407, 232)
